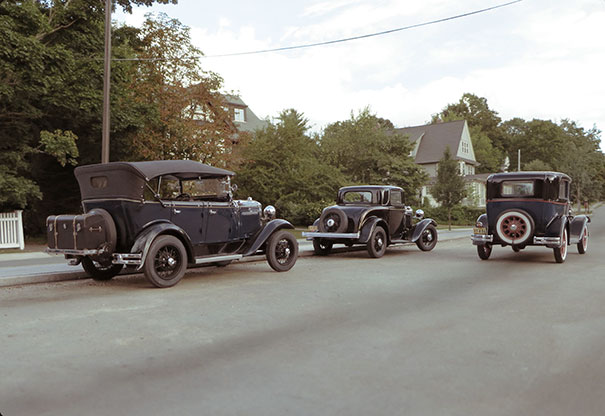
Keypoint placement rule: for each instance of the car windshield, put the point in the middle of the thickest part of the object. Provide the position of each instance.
(352, 197)
(517, 188)
(170, 188)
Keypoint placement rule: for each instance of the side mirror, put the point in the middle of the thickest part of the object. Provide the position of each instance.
(234, 188)
(419, 214)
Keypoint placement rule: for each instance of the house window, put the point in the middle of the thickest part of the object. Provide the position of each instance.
(239, 115)
(465, 148)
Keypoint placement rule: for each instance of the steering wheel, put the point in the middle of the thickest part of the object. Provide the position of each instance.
(184, 197)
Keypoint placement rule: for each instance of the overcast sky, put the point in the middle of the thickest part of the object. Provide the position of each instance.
(534, 59)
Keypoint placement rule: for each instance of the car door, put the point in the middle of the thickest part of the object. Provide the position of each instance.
(396, 213)
(221, 222)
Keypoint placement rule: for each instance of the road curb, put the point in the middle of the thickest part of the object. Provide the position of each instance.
(305, 251)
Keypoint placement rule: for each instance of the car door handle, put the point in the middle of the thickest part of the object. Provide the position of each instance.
(212, 211)
(176, 211)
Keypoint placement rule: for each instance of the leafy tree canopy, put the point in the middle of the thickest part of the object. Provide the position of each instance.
(367, 151)
(283, 167)
(450, 188)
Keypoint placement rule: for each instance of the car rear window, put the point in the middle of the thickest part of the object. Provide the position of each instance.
(517, 188)
(357, 197)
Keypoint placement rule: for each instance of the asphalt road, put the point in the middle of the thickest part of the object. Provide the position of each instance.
(413, 333)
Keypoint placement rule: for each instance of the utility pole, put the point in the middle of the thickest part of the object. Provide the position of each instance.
(519, 160)
(106, 78)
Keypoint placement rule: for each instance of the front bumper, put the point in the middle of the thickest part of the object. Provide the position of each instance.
(315, 234)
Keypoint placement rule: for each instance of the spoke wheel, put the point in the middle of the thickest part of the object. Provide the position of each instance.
(322, 247)
(484, 251)
(514, 227)
(282, 251)
(377, 245)
(98, 271)
(428, 239)
(583, 243)
(166, 261)
(561, 252)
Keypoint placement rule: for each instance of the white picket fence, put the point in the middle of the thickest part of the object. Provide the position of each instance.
(11, 230)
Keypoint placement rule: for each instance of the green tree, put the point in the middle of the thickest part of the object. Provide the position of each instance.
(282, 167)
(486, 133)
(50, 95)
(183, 112)
(450, 188)
(365, 149)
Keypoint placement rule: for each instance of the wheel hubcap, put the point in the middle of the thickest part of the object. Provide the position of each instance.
(283, 251)
(166, 262)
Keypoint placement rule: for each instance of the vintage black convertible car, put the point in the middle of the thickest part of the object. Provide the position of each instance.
(530, 208)
(160, 217)
(372, 215)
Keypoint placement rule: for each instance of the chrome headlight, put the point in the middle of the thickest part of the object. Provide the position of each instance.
(419, 214)
(269, 212)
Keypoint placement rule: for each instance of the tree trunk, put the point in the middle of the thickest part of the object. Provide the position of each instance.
(449, 219)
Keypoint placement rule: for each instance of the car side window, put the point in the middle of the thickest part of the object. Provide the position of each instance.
(564, 190)
(396, 197)
(208, 189)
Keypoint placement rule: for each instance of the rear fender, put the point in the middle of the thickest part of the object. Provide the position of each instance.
(482, 220)
(145, 238)
(368, 228)
(576, 227)
(420, 227)
(264, 235)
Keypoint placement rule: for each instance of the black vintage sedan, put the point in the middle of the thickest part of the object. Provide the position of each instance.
(160, 217)
(375, 216)
(530, 209)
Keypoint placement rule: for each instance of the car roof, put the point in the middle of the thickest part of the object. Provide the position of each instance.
(182, 169)
(368, 188)
(539, 175)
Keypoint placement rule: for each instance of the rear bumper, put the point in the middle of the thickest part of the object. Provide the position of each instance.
(548, 241)
(312, 234)
(480, 239)
(74, 252)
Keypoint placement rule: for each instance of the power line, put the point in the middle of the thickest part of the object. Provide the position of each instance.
(385, 32)
(330, 42)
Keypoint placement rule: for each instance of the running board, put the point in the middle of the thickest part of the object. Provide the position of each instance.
(202, 260)
(401, 241)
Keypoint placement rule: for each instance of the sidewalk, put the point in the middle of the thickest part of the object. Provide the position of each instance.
(39, 267)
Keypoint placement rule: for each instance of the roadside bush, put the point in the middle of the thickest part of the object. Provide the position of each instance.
(461, 215)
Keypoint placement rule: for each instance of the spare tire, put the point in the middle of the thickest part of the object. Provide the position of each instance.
(514, 226)
(111, 236)
(333, 220)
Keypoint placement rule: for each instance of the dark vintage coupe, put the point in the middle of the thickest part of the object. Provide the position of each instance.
(530, 209)
(375, 216)
(160, 217)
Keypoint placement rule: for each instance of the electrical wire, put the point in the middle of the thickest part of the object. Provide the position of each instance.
(331, 42)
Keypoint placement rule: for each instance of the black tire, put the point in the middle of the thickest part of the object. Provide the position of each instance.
(515, 227)
(516, 249)
(484, 251)
(322, 247)
(333, 220)
(281, 251)
(561, 252)
(583, 243)
(166, 261)
(428, 239)
(98, 271)
(377, 244)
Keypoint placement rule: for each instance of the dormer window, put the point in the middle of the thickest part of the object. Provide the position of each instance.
(465, 147)
(239, 115)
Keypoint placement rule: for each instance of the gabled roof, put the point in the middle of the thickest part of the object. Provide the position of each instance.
(252, 122)
(434, 139)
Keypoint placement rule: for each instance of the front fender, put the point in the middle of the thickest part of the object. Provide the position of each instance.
(262, 237)
(420, 227)
(369, 226)
(577, 226)
(143, 241)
